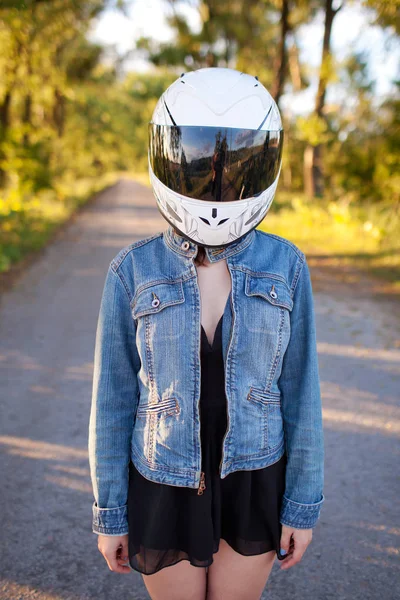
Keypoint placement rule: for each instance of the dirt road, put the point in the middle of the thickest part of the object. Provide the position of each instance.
(47, 327)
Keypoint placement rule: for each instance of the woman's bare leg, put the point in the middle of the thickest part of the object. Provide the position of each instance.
(236, 577)
(181, 581)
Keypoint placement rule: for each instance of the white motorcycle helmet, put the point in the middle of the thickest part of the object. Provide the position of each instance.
(215, 151)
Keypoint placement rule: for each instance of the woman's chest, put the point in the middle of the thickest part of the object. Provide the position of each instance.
(215, 284)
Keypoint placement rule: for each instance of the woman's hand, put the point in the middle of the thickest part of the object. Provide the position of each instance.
(114, 548)
(295, 546)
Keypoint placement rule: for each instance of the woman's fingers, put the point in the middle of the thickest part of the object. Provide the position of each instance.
(285, 537)
(122, 553)
(294, 557)
(115, 551)
(300, 539)
(114, 565)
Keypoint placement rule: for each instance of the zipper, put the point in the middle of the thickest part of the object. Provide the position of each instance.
(226, 395)
(202, 484)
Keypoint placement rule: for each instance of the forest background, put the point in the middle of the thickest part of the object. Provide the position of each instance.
(74, 115)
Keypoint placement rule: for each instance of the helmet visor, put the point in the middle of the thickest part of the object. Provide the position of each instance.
(220, 164)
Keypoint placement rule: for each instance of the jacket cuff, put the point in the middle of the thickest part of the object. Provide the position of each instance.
(110, 521)
(298, 515)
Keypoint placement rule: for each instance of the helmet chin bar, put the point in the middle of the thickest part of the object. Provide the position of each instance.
(208, 223)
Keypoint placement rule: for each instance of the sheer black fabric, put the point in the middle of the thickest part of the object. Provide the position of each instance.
(168, 524)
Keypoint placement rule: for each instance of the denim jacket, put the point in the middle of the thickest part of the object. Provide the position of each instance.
(146, 381)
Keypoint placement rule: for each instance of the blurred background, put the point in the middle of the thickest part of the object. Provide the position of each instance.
(79, 81)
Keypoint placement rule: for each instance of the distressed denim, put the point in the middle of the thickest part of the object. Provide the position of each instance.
(146, 381)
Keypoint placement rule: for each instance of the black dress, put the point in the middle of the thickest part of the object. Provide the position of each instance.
(168, 524)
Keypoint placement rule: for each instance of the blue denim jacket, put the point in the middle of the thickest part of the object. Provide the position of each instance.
(146, 383)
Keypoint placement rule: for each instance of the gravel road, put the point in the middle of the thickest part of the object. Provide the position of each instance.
(47, 326)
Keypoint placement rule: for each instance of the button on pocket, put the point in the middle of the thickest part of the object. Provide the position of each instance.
(155, 301)
(272, 292)
(276, 291)
(155, 297)
(267, 305)
(159, 315)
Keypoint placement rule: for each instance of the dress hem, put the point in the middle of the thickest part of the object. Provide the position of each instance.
(201, 566)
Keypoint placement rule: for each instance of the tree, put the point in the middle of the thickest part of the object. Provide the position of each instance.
(313, 159)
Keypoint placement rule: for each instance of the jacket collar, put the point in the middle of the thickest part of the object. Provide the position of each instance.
(187, 248)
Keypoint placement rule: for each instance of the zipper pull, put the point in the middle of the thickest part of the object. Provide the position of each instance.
(202, 485)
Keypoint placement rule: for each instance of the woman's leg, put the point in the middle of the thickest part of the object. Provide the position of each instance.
(238, 577)
(181, 581)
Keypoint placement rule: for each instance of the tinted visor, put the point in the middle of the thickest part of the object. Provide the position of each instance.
(220, 164)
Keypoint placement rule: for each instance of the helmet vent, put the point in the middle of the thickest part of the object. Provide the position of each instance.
(173, 213)
(254, 216)
(171, 117)
(265, 118)
(221, 222)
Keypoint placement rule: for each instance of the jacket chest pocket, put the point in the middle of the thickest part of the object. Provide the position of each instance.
(156, 308)
(269, 303)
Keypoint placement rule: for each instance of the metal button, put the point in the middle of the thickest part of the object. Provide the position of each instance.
(155, 302)
(185, 245)
(272, 293)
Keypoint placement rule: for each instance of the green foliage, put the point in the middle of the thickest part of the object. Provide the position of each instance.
(28, 220)
(365, 236)
(313, 129)
(105, 132)
(387, 13)
(64, 118)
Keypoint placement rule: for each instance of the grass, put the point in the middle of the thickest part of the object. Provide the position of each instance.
(27, 221)
(366, 237)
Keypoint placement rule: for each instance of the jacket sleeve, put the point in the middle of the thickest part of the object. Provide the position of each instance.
(113, 407)
(302, 413)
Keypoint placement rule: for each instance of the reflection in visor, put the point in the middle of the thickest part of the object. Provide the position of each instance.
(220, 164)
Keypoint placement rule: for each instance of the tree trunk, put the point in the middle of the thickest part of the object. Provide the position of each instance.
(5, 114)
(59, 112)
(313, 171)
(4, 124)
(27, 112)
(313, 155)
(281, 62)
(26, 117)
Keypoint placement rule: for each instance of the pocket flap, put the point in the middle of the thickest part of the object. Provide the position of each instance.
(274, 290)
(156, 297)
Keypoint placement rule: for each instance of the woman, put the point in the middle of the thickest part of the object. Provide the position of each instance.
(205, 438)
